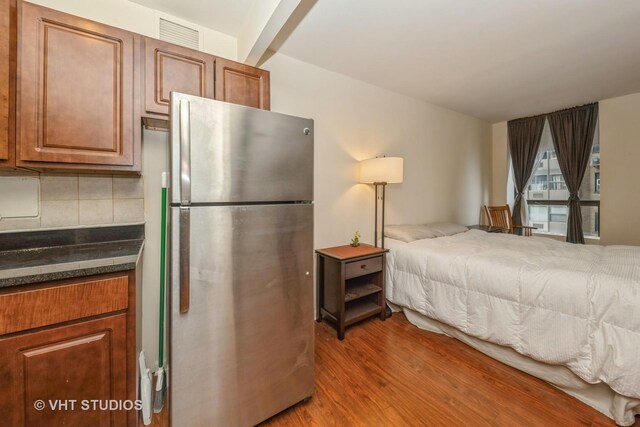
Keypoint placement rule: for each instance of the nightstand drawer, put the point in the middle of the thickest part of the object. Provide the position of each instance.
(365, 266)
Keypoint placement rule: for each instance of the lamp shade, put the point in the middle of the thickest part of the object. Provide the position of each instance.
(382, 169)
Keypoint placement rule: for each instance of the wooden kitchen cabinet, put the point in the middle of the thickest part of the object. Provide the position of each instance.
(241, 84)
(69, 340)
(73, 91)
(168, 68)
(7, 81)
(82, 361)
(77, 104)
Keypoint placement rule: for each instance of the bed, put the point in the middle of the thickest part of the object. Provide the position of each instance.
(568, 314)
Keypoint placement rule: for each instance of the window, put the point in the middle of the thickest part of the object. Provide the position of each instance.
(547, 192)
(558, 214)
(557, 182)
(538, 182)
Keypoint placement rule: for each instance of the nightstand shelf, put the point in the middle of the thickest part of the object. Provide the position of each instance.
(359, 310)
(350, 285)
(355, 291)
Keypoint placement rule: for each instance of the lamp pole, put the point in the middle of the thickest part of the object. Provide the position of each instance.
(383, 184)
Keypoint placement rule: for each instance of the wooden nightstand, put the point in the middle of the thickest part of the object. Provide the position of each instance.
(350, 284)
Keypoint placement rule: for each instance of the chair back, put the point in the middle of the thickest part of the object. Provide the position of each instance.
(499, 217)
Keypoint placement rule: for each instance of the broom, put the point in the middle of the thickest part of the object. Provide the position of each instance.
(161, 382)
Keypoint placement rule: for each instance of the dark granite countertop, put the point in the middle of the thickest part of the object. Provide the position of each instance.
(40, 256)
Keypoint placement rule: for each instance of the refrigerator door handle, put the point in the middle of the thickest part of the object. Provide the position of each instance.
(185, 153)
(185, 241)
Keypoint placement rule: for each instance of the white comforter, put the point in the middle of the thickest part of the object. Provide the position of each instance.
(559, 303)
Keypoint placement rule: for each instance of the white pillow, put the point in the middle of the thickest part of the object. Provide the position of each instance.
(442, 229)
(409, 233)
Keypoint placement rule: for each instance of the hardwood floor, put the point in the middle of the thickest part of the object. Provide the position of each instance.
(393, 374)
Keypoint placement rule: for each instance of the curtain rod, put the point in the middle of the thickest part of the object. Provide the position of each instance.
(589, 105)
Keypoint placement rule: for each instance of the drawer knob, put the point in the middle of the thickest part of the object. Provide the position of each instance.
(363, 266)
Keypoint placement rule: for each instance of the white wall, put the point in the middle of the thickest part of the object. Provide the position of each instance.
(499, 164)
(447, 155)
(155, 160)
(619, 170)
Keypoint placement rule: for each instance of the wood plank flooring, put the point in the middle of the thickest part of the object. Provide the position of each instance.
(393, 374)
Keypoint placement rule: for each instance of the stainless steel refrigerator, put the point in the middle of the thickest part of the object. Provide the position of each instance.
(241, 299)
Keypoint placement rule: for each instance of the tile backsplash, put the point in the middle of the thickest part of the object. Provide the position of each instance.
(82, 200)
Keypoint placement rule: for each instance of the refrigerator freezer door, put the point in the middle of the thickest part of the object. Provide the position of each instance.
(243, 351)
(226, 153)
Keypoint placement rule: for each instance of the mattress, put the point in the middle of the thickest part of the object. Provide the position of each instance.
(562, 304)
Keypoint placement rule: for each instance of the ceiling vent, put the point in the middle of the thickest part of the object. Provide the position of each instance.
(179, 34)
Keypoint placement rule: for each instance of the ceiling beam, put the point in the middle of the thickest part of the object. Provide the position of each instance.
(262, 26)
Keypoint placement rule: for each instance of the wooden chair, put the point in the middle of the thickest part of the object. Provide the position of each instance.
(500, 217)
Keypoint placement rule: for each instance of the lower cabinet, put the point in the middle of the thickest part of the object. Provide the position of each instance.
(67, 352)
(55, 376)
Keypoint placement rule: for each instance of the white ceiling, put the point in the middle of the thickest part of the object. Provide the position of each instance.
(492, 59)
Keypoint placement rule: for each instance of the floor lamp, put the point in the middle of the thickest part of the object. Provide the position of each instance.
(381, 171)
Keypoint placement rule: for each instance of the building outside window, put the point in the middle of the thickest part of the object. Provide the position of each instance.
(547, 192)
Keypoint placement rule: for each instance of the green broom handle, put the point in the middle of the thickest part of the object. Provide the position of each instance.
(163, 238)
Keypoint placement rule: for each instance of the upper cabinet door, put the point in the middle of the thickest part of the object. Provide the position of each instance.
(76, 102)
(170, 68)
(5, 81)
(241, 84)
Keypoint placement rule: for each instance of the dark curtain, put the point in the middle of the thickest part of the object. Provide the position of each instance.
(572, 131)
(524, 140)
